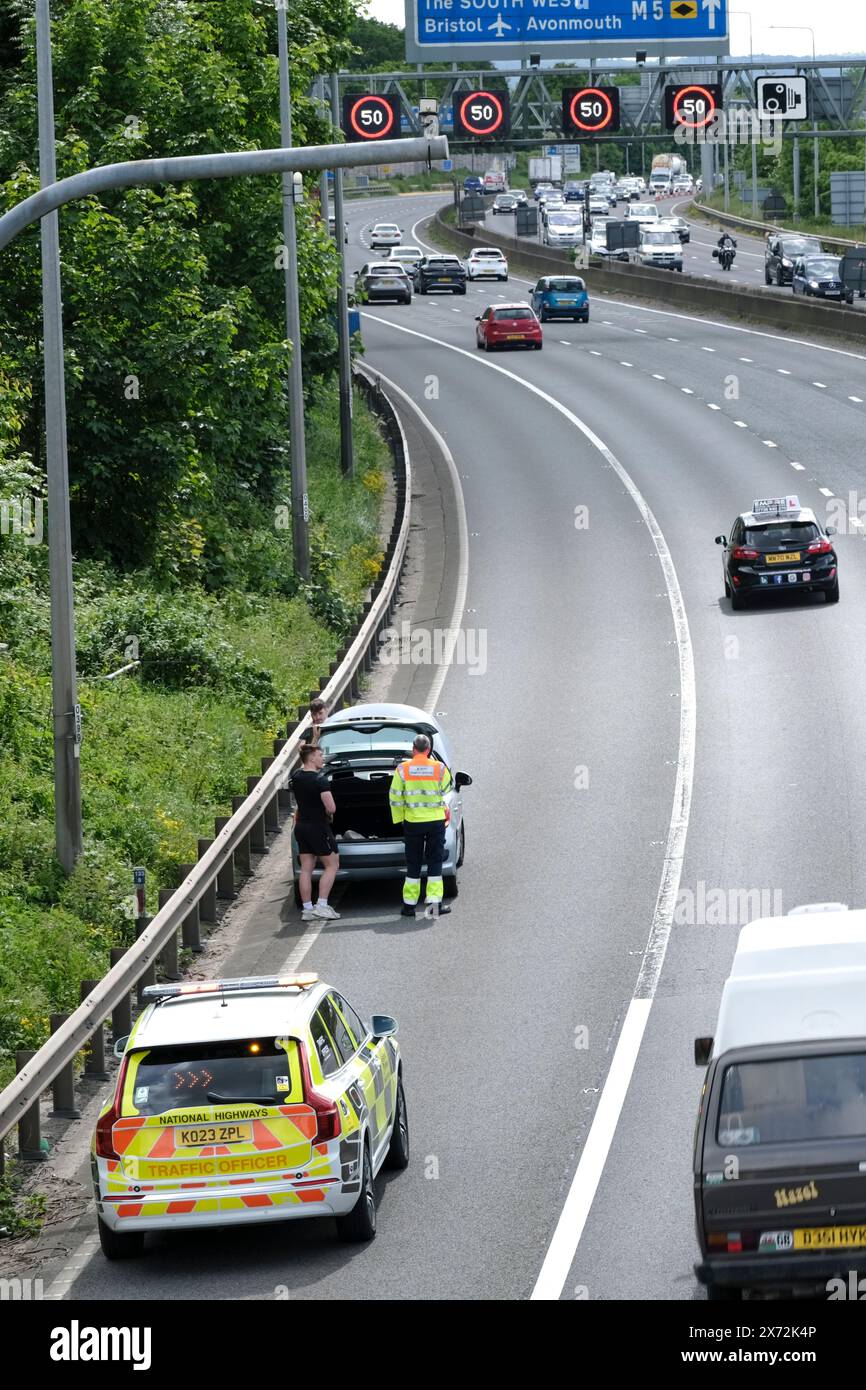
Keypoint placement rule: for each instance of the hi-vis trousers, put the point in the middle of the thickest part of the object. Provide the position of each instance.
(425, 843)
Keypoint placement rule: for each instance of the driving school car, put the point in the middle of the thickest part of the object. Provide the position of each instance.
(777, 546)
(780, 1143)
(244, 1100)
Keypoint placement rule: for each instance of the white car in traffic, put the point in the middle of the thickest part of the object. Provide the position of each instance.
(386, 234)
(486, 263)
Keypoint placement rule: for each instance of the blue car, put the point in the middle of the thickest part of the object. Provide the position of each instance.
(473, 184)
(561, 297)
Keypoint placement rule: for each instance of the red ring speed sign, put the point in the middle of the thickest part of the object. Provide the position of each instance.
(700, 92)
(478, 121)
(378, 123)
(598, 95)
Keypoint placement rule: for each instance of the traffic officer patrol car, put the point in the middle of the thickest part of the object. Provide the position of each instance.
(243, 1100)
(778, 545)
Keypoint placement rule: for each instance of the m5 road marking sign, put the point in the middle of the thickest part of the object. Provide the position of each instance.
(452, 30)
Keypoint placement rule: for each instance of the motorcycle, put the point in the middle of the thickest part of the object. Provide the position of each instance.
(724, 255)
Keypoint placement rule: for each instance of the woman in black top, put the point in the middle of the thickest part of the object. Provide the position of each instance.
(313, 833)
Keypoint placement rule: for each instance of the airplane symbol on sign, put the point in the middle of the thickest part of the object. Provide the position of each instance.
(499, 27)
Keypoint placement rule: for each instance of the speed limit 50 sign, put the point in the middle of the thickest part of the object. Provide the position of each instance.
(369, 117)
(693, 106)
(589, 110)
(481, 114)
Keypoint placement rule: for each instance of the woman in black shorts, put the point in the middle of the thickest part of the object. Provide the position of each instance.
(313, 833)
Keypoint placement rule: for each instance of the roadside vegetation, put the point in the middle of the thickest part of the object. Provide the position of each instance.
(822, 226)
(179, 465)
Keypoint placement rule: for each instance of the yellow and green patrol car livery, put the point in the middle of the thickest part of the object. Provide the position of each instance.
(246, 1101)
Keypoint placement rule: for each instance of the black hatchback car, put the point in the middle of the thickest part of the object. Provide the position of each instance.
(780, 253)
(440, 273)
(777, 546)
(820, 276)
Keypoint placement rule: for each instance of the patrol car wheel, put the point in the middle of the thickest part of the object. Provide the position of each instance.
(461, 853)
(398, 1150)
(120, 1245)
(360, 1223)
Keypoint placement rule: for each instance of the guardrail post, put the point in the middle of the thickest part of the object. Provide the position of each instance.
(121, 1018)
(225, 883)
(63, 1086)
(29, 1126)
(190, 929)
(207, 902)
(168, 957)
(148, 975)
(284, 794)
(242, 850)
(94, 1056)
(272, 814)
(258, 839)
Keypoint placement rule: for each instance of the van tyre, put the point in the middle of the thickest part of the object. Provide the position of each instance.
(359, 1224)
(397, 1156)
(120, 1245)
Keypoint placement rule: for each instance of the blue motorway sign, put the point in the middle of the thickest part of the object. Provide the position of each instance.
(451, 30)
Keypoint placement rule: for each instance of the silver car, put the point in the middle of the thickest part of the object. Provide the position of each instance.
(362, 747)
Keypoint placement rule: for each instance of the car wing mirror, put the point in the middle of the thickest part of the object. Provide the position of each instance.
(721, 540)
(477, 318)
(703, 1051)
(120, 1046)
(831, 531)
(462, 780)
(383, 1026)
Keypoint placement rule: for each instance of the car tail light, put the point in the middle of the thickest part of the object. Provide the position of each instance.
(822, 547)
(103, 1143)
(743, 552)
(328, 1125)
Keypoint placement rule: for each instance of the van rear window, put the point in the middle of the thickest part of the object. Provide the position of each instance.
(198, 1075)
(793, 1099)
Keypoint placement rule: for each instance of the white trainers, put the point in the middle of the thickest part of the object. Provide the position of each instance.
(308, 914)
(326, 912)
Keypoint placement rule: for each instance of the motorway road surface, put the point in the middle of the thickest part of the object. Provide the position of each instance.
(516, 1012)
(747, 270)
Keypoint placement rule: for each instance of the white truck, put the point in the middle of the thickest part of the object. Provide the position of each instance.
(666, 168)
(546, 169)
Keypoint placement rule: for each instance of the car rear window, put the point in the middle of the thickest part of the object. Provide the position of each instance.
(510, 314)
(566, 286)
(789, 533)
(441, 265)
(795, 246)
(350, 740)
(794, 1099)
(197, 1075)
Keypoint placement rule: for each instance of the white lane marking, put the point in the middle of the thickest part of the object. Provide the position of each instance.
(771, 444)
(80, 1256)
(799, 467)
(820, 385)
(687, 390)
(710, 406)
(593, 353)
(707, 349)
(642, 330)
(825, 492)
(657, 376)
(565, 342)
(741, 424)
(456, 622)
(858, 399)
(626, 364)
(569, 1229)
(694, 318)
(783, 371)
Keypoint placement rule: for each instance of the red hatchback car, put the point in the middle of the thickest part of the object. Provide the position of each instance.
(503, 324)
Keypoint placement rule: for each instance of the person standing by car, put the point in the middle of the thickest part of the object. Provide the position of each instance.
(417, 800)
(318, 714)
(313, 834)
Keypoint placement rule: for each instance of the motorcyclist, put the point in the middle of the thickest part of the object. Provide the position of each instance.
(726, 240)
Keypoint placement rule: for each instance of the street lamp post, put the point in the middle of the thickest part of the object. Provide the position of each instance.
(300, 500)
(64, 683)
(806, 29)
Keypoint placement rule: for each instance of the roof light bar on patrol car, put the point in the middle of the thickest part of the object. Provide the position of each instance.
(157, 993)
(775, 506)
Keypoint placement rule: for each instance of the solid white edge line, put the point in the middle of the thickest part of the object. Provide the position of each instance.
(692, 318)
(569, 1228)
(462, 539)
